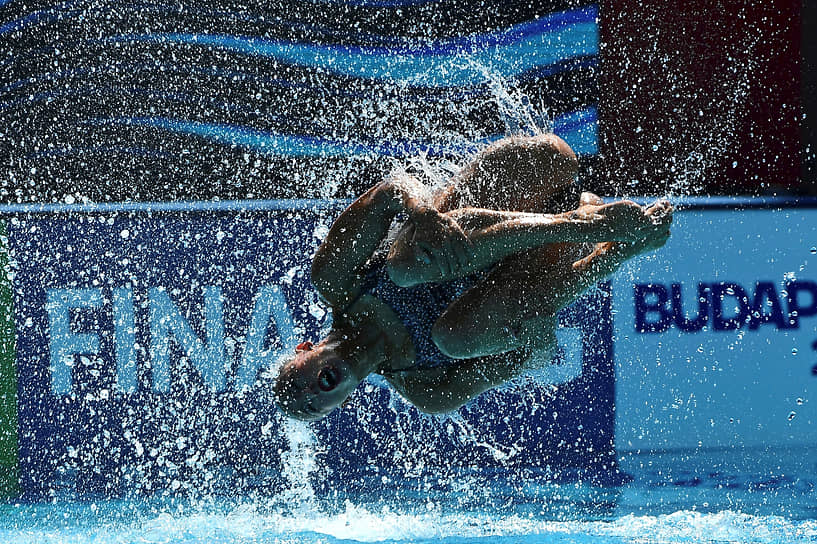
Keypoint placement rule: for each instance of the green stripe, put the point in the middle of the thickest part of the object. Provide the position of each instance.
(9, 449)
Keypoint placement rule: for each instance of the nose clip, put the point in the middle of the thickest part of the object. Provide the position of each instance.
(304, 346)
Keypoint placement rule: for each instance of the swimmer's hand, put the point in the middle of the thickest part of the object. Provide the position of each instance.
(626, 221)
(440, 241)
(659, 216)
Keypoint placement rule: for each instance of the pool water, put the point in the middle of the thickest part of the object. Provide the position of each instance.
(764, 496)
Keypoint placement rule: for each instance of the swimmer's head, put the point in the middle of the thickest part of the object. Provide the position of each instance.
(315, 381)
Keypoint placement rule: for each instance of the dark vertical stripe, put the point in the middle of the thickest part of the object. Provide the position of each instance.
(808, 86)
(9, 451)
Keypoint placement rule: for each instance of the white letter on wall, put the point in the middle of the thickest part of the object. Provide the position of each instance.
(166, 320)
(64, 344)
(269, 302)
(124, 327)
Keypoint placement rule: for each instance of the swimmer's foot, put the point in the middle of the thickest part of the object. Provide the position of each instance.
(607, 256)
(657, 234)
(590, 199)
(660, 213)
(625, 221)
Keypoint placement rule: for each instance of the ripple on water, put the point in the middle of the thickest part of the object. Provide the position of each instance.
(253, 523)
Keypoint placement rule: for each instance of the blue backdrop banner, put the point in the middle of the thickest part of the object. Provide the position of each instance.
(143, 337)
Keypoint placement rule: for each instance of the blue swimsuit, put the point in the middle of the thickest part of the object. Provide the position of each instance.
(418, 307)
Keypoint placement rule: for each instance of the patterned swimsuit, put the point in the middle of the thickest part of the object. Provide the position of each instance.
(418, 307)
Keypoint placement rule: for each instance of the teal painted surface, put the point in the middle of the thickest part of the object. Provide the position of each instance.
(9, 459)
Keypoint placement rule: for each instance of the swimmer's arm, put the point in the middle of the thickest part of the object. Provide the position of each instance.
(357, 232)
(445, 389)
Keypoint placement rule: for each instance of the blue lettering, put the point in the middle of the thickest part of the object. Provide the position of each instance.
(657, 305)
(690, 325)
(725, 305)
(766, 307)
(796, 308)
(722, 290)
(166, 320)
(814, 368)
(64, 344)
(124, 334)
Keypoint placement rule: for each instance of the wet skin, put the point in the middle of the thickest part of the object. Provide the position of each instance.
(496, 330)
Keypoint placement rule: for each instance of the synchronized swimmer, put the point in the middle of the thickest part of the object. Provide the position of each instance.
(465, 295)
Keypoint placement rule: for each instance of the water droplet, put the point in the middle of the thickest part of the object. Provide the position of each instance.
(794, 351)
(813, 251)
(799, 401)
(792, 415)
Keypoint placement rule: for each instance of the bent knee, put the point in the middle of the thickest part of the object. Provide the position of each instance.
(399, 268)
(460, 340)
(450, 341)
(406, 263)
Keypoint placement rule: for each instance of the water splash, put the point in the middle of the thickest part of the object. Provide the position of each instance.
(299, 462)
(514, 107)
(384, 524)
(464, 433)
(719, 133)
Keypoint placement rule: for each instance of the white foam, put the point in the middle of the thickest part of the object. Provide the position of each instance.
(251, 523)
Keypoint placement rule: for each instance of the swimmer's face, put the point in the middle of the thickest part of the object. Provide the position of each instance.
(314, 383)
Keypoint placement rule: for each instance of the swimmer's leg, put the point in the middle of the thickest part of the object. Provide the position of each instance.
(493, 360)
(508, 310)
(444, 389)
(501, 313)
(495, 235)
(516, 304)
